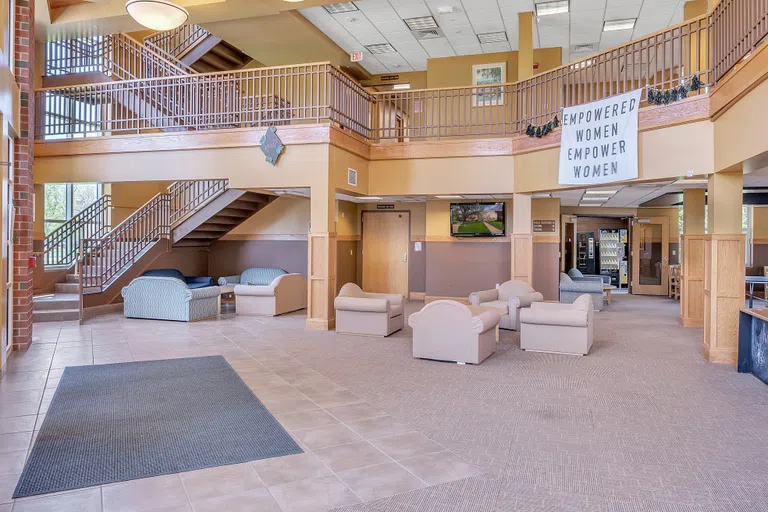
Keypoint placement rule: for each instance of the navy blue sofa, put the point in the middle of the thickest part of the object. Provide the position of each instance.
(192, 282)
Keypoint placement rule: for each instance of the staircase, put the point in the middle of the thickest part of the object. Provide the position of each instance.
(197, 48)
(190, 214)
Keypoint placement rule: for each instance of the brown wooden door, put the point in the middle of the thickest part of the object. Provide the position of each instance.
(650, 256)
(385, 252)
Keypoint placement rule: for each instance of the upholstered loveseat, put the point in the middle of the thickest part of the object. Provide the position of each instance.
(267, 291)
(168, 298)
(508, 298)
(191, 282)
(570, 290)
(576, 275)
(369, 314)
(446, 330)
(560, 328)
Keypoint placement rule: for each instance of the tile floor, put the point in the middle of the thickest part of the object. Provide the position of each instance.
(354, 451)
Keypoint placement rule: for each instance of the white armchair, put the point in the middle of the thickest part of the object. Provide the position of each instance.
(509, 299)
(559, 328)
(283, 294)
(446, 330)
(369, 314)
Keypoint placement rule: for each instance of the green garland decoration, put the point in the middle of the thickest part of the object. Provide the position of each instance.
(541, 131)
(658, 97)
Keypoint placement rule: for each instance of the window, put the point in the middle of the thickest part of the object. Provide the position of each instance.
(65, 200)
(746, 228)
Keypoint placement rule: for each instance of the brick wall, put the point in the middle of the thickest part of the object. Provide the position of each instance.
(23, 160)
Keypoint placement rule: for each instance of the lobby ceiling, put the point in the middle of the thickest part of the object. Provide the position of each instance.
(462, 24)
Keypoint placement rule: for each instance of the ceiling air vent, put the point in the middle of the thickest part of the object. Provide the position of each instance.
(351, 177)
(585, 47)
(428, 33)
(340, 8)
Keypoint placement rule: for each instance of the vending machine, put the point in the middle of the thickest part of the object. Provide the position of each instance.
(585, 252)
(613, 256)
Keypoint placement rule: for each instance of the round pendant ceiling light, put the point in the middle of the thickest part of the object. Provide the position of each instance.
(157, 14)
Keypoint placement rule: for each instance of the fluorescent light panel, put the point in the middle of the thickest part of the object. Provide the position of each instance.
(549, 8)
(377, 49)
(341, 7)
(612, 25)
(600, 192)
(449, 197)
(493, 37)
(421, 23)
(401, 87)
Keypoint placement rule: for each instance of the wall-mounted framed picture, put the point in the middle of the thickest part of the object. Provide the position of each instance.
(488, 75)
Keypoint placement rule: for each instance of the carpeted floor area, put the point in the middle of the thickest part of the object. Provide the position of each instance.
(643, 423)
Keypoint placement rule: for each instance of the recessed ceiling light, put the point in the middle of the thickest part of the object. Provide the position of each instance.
(401, 87)
(377, 49)
(493, 37)
(601, 192)
(549, 8)
(691, 181)
(293, 1)
(449, 197)
(421, 23)
(340, 7)
(541, 195)
(612, 25)
(371, 198)
(445, 9)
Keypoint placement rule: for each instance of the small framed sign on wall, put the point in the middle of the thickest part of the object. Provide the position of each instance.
(487, 75)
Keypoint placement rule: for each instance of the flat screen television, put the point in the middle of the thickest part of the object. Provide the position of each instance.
(477, 219)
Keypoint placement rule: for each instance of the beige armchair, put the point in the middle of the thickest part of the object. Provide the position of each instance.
(371, 314)
(559, 328)
(447, 330)
(509, 299)
(286, 293)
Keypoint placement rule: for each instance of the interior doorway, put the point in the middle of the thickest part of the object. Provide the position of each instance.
(650, 256)
(385, 251)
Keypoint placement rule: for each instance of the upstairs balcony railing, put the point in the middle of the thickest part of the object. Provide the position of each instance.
(706, 47)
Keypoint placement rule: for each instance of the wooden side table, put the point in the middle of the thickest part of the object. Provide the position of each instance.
(228, 290)
(607, 289)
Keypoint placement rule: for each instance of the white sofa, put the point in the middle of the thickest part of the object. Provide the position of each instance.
(509, 299)
(266, 291)
(446, 330)
(559, 328)
(368, 314)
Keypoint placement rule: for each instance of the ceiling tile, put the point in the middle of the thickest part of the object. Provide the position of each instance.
(495, 47)
(437, 48)
(480, 5)
(474, 49)
(586, 5)
(411, 9)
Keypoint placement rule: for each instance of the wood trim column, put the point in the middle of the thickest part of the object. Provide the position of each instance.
(321, 314)
(723, 296)
(524, 45)
(692, 281)
(692, 261)
(522, 239)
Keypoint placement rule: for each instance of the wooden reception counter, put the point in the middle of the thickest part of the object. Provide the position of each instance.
(753, 343)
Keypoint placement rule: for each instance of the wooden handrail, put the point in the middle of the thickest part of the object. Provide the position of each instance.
(101, 260)
(705, 47)
(61, 246)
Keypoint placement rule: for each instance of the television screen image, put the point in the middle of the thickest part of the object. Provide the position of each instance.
(477, 219)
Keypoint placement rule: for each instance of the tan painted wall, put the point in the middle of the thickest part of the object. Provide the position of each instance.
(127, 197)
(664, 153)
(418, 214)
(673, 214)
(457, 71)
(760, 222)
(347, 219)
(283, 216)
(417, 79)
(739, 134)
(546, 209)
(340, 163)
(442, 176)
(299, 166)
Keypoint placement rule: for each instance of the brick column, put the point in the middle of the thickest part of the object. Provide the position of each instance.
(23, 187)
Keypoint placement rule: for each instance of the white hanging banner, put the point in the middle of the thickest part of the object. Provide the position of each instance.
(599, 141)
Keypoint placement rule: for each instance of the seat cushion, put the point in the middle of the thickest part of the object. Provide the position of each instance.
(202, 284)
(260, 276)
(164, 272)
(395, 310)
(501, 305)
